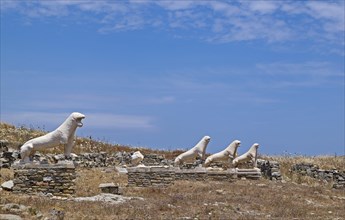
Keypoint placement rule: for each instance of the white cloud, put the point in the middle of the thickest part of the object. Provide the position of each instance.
(94, 120)
(215, 21)
(34, 118)
(100, 120)
(263, 7)
(317, 69)
(7, 5)
(306, 74)
(327, 10)
(175, 5)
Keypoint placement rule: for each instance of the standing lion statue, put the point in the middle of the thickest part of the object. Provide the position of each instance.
(64, 134)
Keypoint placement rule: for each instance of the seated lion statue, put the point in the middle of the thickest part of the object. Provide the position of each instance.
(228, 153)
(250, 155)
(198, 150)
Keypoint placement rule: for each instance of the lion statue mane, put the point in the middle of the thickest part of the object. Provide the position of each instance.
(64, 134)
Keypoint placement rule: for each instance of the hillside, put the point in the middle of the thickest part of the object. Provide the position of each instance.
(297, 196)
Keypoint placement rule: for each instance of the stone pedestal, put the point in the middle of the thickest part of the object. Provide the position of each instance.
(254, 173)
(109, 188)
(164, 176)
(56, 179)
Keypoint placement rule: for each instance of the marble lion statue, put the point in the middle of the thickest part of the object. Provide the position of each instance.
(229, 152)
(136, 158)
(64, 134)
(198, 150)
(251, 155)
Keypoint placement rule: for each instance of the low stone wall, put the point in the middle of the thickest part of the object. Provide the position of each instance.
(150, 176)
(197, 174)
(269, 169)
(56, 179)
(307, 169)
(165, 176)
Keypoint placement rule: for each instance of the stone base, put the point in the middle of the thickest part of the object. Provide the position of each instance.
(165, 176)
(56, 179)
(109, 188)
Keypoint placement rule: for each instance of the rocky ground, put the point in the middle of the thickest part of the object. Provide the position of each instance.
(301, 194)
(241, 199)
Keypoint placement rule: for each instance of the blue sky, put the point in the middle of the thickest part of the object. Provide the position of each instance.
(163, 74)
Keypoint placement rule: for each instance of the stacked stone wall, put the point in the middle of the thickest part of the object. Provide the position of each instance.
(191, 174)
(312, 170)
(150, 176)
(165, 176)
(56, 179)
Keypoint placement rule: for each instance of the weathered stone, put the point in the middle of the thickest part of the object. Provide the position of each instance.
(8, 185)
(109, 188)
(326, 175)
(10, 217)
(107, 198)
(13, 207)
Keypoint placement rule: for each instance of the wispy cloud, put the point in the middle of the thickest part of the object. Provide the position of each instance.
(214, 21)
(101, 120)
(161, 100)
(312, 68)
(305, 74)
(94, 120)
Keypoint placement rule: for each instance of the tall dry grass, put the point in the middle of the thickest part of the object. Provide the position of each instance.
(241, 199)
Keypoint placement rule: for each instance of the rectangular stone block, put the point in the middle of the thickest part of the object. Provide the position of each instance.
(35, 178)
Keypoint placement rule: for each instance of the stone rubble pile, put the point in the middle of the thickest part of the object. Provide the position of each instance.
(7, 154)
(18, 210)
(195, 164)
(156, 160)
(90, 160)
(312, 170)
(269, 169)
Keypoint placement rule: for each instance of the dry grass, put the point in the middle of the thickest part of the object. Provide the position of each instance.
(323, 162)
(241, 199)
(88, 180)
(17, 136)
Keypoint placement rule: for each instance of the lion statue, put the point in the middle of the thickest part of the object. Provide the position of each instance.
(251, 155)
(198, 150)
(136, 158)
(228, 153)
(64, 134)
